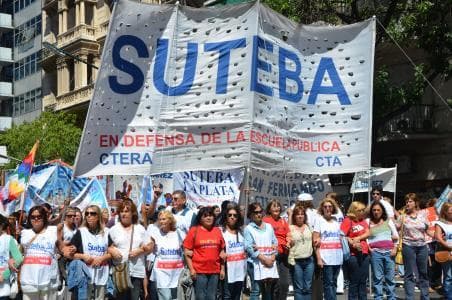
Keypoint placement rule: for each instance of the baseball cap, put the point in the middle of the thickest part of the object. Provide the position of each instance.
(305, 197)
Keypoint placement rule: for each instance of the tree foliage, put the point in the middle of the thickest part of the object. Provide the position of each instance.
(58, 135)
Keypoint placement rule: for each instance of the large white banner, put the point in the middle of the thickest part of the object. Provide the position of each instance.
(266, 186)
(182, 88)
(382, 177)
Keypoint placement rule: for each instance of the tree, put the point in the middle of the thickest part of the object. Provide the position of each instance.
(58, 134)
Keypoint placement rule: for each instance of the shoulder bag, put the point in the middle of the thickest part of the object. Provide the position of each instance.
(442, 255)
(121, 277)
(399, 256)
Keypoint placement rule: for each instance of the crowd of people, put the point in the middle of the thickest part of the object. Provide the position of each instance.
(168, 251)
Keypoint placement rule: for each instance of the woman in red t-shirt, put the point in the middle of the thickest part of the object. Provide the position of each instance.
(203, 245)
(356, 229)
(281, 229)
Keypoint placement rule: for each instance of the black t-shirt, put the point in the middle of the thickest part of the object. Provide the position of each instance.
(76, 241)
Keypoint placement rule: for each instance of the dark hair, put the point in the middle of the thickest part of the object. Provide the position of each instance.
(206, 210)
(384, 214)
(42, 211)
(252, 207)
(270, 204)
(4, 223)
(296, 210)
(377, 188)
(238, 225)
(181, 193)
(133, 209)
(47, 206)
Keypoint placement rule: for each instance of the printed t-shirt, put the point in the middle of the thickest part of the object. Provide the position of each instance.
(330, 241)
(206, 246)
(414, 229)
(353, 229)
(96, 245)
(4, 257)
(120, 237)
(281, 229)
(236, 256)
(168, 263)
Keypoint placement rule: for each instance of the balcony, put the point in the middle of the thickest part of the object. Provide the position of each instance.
(49, 5)
(6, 56)
(5, 123)
(49, 102)
(102, 31)
(74, 98)
(6, 22)
(76, 34)
(415, 123)
(6, 90)
(48, 57)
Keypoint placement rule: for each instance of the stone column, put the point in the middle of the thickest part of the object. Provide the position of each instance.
(96, 62)
(81, 72)
(77, 13)
(60, 22)
(64, 20)
(82, 12)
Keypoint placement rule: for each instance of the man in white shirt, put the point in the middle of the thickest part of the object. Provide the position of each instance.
(185, 217)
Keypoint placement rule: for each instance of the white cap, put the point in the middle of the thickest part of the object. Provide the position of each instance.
(305, 197)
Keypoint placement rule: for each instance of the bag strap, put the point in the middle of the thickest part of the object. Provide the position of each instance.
(131, 239)
(399, 246)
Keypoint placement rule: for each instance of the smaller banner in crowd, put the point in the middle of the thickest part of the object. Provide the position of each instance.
(446, 196)
(382, 177)
(209, 188)
(92, 194)
(286, 187)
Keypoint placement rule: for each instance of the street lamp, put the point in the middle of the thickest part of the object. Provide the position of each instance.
(61, 52)
(10, 157)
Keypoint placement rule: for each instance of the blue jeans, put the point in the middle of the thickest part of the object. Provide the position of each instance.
(330, 281)
(206, 286)
(233, 290)
(383, 267)
(167, 293)
(255, 290)
(415, 257)
(447, 279)
(358, 272)
(302, 273)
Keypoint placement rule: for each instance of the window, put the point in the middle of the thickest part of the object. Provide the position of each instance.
(26, 102)
(27, 66)
(27, 31)
(21, 4)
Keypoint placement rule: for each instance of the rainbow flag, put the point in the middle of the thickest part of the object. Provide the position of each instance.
(19, 179)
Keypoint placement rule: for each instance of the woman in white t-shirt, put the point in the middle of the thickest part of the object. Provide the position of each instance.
(91, 243)
(39, 277)
(168, 263)
(443, 234)
(128, 241)
(235, 253)
(329, 251)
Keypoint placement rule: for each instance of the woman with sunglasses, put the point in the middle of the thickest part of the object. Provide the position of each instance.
(91, 243)
(8, 250)
(203, 246)
(128, 241)
(300, 259)
(168, 262)
(281, 229)
(414, 249)
(39, 276)
(356, 231)
(329, 250)
(235, 253)
(261, 246)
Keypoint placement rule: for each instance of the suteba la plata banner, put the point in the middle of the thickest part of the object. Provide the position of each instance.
(183, 88)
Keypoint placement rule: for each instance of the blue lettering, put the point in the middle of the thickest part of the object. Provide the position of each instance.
(103, 159)
(224, 49)
(160, 67)
(326, 65)
(232, 244)
(97, 248)
(330, 161)
(260, 64)
(126, 66)
(285, 74)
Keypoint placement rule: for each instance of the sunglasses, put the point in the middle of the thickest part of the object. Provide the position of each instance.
(327, 206)
(35, 217)
(90, 213)
(257, 212)
(232, 215)
(207, 215)
(70, 216)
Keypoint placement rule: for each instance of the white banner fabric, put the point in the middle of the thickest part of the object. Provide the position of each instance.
(383, 177)
(183, 88)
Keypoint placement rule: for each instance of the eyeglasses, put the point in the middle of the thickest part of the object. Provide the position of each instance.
(232, 215)
(176, 198)
(257, 212)
(36, 217)
(70, 216)
(90, 213)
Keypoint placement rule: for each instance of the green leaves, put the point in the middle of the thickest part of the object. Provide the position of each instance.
(57, 132)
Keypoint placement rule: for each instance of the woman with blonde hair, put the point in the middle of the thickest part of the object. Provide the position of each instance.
(327, 239)
(356, 230)
(168, 263)
(443, 235)
(91, 243)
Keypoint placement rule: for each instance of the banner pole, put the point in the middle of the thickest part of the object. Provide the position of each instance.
(395, 187)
